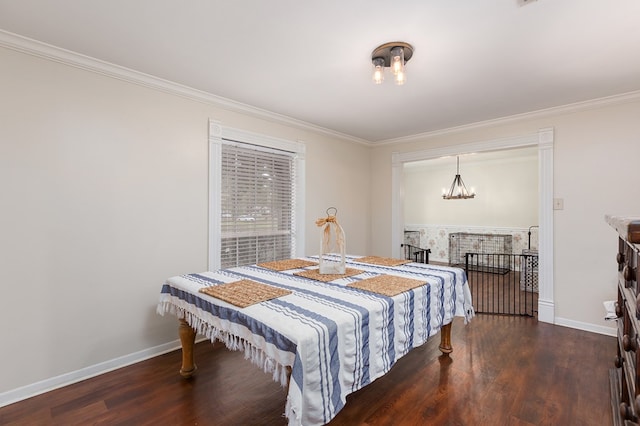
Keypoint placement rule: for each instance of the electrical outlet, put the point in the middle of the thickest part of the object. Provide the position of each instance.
(558, 203)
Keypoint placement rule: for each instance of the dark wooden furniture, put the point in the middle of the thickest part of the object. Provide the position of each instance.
(625, 378)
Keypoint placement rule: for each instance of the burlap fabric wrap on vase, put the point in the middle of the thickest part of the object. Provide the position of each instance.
(332, 243)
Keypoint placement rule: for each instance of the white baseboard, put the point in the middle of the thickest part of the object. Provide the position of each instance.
(62, 380)
(546, 311)
(607, 331)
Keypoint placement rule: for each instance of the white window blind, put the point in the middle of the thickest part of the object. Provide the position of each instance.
(257, 204)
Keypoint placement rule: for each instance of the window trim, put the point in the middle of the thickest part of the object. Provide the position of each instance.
(218, 132)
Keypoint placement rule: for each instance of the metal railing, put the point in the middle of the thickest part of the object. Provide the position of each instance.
(505, 284)
(417, 254)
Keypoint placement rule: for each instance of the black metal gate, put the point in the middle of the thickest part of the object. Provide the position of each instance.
(505, 284)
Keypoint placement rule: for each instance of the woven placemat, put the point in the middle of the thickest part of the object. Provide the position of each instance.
(283, 265)
(382, 261)
(244, 293)
(387, 285)
(315, 274)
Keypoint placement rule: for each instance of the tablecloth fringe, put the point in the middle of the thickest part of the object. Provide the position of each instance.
(291, 415)
(231, 341)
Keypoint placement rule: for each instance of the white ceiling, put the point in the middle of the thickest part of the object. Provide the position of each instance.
(474, 60)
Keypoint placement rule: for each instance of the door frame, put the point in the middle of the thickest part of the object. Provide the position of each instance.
(544, 140)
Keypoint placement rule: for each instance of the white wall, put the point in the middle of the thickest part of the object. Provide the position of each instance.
(596, 153)
(103, 189)
(506, 202)
(506, 185)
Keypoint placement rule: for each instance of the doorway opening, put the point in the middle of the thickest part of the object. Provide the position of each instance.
(487, 235)
(542, 143)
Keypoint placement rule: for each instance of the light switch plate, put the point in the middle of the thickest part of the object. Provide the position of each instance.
(558, 203)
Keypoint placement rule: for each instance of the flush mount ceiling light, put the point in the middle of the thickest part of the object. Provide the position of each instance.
(458, 191)
(394, 56)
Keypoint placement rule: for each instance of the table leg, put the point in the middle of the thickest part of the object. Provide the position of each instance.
(187, 339)
(445, 339)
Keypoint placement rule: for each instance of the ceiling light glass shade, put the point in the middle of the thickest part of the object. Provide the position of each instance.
(378, 70)
(397, 60)
(401, 77)
(458, 190)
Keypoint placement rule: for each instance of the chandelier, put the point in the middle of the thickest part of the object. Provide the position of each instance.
(458, 190)
(394, 56)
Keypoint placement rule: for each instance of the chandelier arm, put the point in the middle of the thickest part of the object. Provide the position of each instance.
(458, 187)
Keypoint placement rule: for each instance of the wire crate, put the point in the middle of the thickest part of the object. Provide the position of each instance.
(486, 246)
(529, 270)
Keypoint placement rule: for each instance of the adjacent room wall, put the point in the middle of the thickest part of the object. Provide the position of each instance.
(103, 186)
(506, 183)
(596, 149)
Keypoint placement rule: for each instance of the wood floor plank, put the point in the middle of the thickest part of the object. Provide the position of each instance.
(503, 371)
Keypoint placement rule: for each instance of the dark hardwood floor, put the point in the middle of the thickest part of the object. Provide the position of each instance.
(503, 371)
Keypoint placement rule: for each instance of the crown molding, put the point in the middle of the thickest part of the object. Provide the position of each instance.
(67, 57)
(541, 113)
(467, 148)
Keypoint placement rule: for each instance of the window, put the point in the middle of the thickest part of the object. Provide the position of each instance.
(256, 198)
